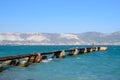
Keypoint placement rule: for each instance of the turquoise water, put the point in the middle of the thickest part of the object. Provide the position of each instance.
(101, 65)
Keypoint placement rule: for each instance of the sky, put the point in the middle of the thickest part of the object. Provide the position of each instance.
(60, 16)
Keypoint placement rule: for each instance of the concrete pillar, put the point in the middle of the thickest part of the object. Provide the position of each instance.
(85, 50)
(60, 54)
(1, 67)
(38, 58)
(103, 48)
(27, 59)
(32, 59)
(23, 63)
(76, 52)
(8, 62)
(96, 48)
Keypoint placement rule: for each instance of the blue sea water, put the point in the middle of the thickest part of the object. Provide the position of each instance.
(101, 65)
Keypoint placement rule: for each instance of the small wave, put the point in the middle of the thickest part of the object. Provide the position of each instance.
(50, 59)
(47, 60)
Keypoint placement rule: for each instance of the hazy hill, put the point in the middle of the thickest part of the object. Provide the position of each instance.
(59, 39)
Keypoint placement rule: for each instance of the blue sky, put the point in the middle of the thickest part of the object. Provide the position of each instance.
(59, 16)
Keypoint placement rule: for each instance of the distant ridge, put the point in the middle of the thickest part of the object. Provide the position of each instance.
(36, 38)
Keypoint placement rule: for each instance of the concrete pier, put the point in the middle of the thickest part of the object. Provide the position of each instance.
(36, 57)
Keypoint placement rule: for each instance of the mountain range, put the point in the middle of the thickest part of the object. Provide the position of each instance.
(36, 38)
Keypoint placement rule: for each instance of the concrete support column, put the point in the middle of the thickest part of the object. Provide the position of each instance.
(25, 62)
(32, 59)
(59, 54)
(38, 58)
(103, 48)
(76, 52)
(62, 54)
(85, 50)
(8, 62)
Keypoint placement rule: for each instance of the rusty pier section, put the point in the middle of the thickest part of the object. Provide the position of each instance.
(36, 57)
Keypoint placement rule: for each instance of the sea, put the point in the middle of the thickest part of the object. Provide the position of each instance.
(99, 65)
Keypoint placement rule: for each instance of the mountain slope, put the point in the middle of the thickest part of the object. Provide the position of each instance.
(62, 38)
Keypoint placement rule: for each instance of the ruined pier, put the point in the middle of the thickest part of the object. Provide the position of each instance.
(36, 57)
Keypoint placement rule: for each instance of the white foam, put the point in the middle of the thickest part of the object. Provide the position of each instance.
(45, 61)
(50, 59)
